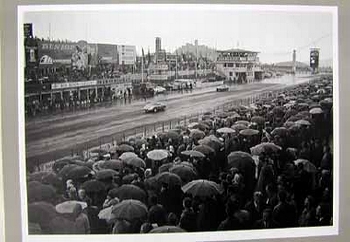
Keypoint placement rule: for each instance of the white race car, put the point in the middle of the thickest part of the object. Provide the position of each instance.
(154, 107)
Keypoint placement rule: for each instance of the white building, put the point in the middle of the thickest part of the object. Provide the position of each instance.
(126, 54)
(239, 65)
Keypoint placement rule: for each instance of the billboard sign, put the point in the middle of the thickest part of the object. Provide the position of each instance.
(77, 54)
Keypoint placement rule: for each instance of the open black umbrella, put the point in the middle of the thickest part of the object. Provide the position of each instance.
(111, 164)
(197, 134)
(168, 178)
(106, 174)
(239, 159)
(264, 148)
(93, 186)
(280, 131)
(136, 162)
(128, 191)
(41, 213)
(124, 148)
(40, 192)
(258, 119)
(79, 172)
(204, 149)
(186, 173)
(202, 188)
(165, 167)
(130, 209)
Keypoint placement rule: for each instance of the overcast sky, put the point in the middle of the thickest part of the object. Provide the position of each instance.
(273, 33)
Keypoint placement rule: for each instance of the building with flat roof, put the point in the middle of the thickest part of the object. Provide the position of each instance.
(237, 65)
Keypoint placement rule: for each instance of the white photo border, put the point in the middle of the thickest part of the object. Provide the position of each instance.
(195, 236)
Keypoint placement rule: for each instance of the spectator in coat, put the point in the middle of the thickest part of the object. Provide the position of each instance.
(82, 224)
(266, 221)
(284, 214)
(188, 216)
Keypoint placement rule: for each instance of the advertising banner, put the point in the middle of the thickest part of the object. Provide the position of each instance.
(77, 54)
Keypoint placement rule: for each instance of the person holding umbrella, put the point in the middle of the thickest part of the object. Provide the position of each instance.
(188, 216)
(82, 224)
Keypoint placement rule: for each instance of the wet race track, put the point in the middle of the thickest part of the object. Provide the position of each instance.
(54, 136)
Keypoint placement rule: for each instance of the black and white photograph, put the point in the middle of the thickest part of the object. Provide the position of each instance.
(205, 121)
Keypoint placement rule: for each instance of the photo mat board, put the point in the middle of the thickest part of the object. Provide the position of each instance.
(241, 235)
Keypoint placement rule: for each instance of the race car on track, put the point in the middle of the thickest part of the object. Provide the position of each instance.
(154, 107)
(222, 88)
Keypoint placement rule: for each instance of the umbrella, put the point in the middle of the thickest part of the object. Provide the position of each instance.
(65, 170)
(157, 154)
(152, 183)
(239, 127)
(165, 167)
(280, 131)
(307, 165)
(125, 148)
(201, 188)
(98, 152)
(186, 173)
(258, 119)
(93, 186)
(193, 153)
(211, 141)
(130, 209)
(127, 155)
(111, 164)
(136, 162)
(52, 179)
(185, 163)
(326, 103)
(197, 134)
(316, 111)
(249, 132)
(127, 179)
(321, 91)
(169, 135)
(303, 122)
(106, 214)
(204, 149)
(129, 191)
(106, 174)
(79, 172)
(226, 130)
(68, 206)
(168, 178)
(288, 124)
(167, 229)
(140, 142)
(278, 111)
(40, 192)
(264, 147)
(237, 159)
(242, 122)
(41, 212)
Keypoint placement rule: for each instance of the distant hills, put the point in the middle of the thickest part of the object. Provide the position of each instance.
(290, 64)
(322, 63)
